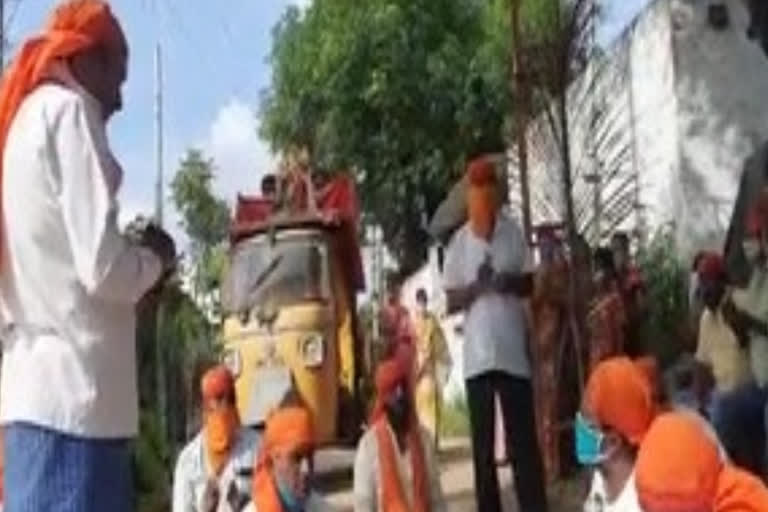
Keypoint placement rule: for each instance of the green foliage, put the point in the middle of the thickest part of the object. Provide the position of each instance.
(400, 91)
(151, 466)
(205, 218)
(174, 334)
(667, 301)
(454, 421)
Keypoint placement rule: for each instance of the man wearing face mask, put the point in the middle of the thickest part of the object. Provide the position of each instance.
(617, 411)
(735, 409)
(69, 280)
(487, 276)
(395, 468)
(282, 479)
(751, 303)
(433, 366)
(211, 472)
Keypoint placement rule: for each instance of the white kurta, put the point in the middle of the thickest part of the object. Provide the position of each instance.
(191, 475)
(69, 280)
(495, 325)
(367, 488)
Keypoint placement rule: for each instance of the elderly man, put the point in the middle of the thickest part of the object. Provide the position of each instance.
(617, 411)
(211, 472)
(69, 280)
(395, 468)
(679, 468)
(487, 276)
(281, 482)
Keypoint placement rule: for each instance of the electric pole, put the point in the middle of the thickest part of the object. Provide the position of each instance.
(159, 189)
(159, 352)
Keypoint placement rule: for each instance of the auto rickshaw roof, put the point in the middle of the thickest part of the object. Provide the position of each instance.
(249, 229)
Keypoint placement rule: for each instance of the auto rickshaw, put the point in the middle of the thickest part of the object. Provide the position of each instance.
(289, 305)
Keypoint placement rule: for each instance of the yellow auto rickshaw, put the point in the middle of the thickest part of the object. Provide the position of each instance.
(290, 319)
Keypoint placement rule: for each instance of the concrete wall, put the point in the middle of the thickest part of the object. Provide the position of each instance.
(666, 117)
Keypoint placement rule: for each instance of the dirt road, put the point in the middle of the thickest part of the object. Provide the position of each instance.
(334, 476)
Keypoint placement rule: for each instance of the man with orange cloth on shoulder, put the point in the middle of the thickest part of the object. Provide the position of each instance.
(212, 471)
(679, 469)
(69, 279)
(395, 468)
(282, 479)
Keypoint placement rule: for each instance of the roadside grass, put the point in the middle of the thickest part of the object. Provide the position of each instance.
(455, 417)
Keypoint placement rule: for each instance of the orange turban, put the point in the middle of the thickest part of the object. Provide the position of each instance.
(679, 468)
(618, 395)
(75, 26)
(481, 196)
(391, 373)
(288, 430)
(217, 383)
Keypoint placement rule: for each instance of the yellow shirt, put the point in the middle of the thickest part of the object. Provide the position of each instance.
(719, 349)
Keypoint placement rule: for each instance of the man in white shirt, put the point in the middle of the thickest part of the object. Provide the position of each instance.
(487, 275)
(69, 281)
(616, 413)
(213, 471)
(395, 467)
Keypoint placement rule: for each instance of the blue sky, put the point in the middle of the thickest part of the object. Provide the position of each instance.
(214, 68)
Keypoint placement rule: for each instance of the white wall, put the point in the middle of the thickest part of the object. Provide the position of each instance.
(686, 101)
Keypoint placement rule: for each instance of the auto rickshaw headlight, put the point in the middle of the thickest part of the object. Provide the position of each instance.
(312, 350)
(233, 362)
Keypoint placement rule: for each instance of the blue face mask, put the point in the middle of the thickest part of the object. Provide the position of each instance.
(290, 501)
(589, 442)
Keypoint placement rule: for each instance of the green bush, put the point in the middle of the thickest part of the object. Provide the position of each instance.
(665, 328)
(455, 417)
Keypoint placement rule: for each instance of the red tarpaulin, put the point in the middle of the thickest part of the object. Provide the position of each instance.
(337, 200)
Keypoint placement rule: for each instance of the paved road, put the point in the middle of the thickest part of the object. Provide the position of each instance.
(334, 475)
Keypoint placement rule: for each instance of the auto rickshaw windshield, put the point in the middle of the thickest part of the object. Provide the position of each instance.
(292, 270)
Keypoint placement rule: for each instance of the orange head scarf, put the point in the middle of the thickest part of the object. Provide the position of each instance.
(288, 430)
(679, 469)
(618, 396)
(482, 196)
(392, 373)
(75, 26)
(221, 423)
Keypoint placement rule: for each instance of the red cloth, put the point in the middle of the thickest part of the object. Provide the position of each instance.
(711, 266)
(390, 374)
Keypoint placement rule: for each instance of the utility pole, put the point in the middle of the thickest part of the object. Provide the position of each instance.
(159, 189)
(159, 352)
(519, 82)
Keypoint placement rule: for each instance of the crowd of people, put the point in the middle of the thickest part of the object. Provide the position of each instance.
(690, 438)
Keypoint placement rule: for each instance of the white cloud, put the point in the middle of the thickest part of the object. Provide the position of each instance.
(241, 157)
(302, 4)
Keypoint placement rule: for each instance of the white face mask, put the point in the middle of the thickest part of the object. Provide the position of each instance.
(752, 250)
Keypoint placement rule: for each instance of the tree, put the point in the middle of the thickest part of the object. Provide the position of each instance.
(399, 91)
(205, 219)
